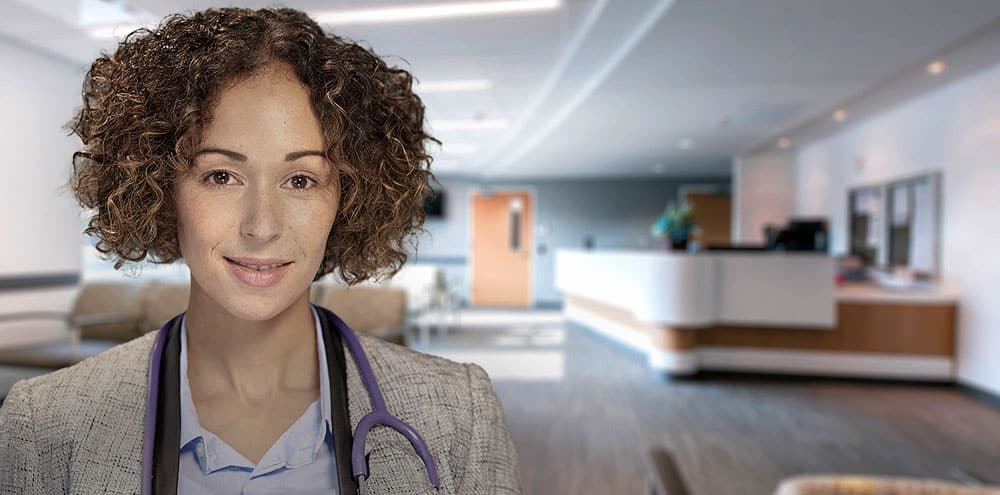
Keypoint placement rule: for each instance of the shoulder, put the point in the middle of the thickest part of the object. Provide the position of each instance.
(95, 406)
(454, 408)
(423, 377)
(394, 361)
(69, 396)
(424, 382)
(122, 365)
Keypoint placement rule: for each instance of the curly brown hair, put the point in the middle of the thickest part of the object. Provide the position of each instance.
(145, 105)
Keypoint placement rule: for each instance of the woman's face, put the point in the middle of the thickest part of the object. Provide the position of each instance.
(261, 189)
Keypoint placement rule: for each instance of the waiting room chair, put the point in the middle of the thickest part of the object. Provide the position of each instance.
(664, 478)
(370, 309)
(876, 485)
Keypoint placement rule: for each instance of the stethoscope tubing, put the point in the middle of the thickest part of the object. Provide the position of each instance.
(380, 414)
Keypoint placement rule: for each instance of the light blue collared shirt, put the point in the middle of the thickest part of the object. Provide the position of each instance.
(300, 462)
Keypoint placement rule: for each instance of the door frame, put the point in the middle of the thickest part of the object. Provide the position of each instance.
(502, 188)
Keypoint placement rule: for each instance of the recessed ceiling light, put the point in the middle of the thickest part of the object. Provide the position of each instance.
(685, 144)
(840, 115)
(469, 124)
(936, 67)
(784, 143)
(431, 11)
(454, 85)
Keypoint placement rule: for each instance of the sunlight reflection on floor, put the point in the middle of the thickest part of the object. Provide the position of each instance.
(509, 345)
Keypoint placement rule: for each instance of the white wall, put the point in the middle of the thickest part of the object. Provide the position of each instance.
(955, 130)
(763, 193)
(40, 228)
(40, 220)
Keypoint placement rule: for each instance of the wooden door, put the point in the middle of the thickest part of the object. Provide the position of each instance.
(501, 249)
(713, 215)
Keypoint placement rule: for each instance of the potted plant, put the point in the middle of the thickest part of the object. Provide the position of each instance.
(675, 223)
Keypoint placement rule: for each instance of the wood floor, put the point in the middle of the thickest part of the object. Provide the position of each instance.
(584, 433)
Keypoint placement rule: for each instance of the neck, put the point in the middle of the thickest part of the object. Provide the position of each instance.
(250, 359)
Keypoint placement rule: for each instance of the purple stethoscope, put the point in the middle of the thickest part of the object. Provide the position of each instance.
(379, 416)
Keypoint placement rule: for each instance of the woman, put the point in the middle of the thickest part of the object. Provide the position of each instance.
(266, 154)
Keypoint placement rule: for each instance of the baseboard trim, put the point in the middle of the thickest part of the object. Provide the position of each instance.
(548, 304)
(761, 376)
(826, 363)
(988, 398)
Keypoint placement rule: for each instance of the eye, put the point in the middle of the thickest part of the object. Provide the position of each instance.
(218, 178)
(301, 180)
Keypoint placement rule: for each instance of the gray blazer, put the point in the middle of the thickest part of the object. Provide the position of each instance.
(80, 429)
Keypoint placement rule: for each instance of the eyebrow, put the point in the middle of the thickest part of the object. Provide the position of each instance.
(295, 155)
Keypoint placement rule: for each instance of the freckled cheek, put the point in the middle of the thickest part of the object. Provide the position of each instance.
(203, 224)
(310, 224)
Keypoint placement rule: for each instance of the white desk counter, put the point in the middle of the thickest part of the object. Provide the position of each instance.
(756, 311)
(698, 290)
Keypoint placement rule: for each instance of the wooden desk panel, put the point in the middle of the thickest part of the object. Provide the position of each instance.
(884, 328)
(880, 328)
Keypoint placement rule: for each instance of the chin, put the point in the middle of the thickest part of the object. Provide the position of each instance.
(256, 308)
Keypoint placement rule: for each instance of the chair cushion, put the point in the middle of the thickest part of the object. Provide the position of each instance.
(873, 485)
(164, 300)
(98, 301)
(374, 310)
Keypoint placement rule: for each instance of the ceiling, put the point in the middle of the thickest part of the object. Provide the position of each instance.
(602, 88)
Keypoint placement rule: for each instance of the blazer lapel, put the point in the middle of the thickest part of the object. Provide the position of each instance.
(168, 431)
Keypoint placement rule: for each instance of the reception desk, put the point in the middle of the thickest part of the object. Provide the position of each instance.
(756, 312)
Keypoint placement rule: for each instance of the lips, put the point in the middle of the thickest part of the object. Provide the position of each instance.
(258, 262)
(265, 275)
(258, 265)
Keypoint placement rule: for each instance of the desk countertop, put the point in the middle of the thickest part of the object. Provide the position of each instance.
(873, 293)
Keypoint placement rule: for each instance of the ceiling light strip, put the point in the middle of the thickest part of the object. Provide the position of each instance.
(468, 125)
(116, 31)
(454, 86)
(431, 11)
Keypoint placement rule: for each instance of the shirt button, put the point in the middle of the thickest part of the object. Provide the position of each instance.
(200, 452)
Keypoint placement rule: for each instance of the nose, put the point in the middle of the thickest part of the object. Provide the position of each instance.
(262, 215)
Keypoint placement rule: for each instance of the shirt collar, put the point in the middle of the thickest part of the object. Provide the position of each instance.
(191, 429)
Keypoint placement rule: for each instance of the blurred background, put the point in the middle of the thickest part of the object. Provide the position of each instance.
(700, 246)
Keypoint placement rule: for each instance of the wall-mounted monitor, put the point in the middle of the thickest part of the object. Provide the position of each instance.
(434, 205)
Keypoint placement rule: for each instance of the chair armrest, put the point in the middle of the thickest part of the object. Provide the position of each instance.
(102, 319)
(972, 478)
(35, 315)
(662, 473)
